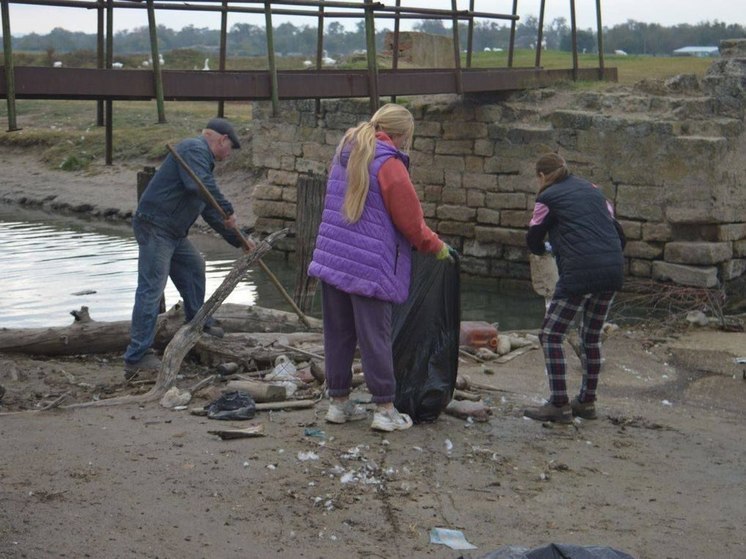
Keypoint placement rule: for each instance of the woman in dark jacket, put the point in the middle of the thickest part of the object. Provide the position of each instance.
(587, 243)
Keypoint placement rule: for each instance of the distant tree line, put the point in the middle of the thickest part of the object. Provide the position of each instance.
(250, 40)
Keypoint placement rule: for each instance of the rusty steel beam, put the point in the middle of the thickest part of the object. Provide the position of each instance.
(32, 82)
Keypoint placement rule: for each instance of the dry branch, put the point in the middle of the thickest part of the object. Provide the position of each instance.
(188, 334)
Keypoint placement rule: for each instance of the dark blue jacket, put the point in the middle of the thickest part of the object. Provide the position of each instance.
(172, 200)
(586, 239)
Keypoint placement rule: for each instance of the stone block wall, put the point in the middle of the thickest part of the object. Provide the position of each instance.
(669, 155)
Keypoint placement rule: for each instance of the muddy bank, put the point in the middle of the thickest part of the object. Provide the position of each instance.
(659, 474)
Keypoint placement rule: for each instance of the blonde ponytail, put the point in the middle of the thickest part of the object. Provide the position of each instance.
(363, 141)
(394, 120)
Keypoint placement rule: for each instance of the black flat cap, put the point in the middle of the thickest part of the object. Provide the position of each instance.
(222, 126)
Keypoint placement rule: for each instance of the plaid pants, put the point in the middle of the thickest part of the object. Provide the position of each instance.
(559, 316)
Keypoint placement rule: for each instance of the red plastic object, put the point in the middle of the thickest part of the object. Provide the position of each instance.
(477, 333)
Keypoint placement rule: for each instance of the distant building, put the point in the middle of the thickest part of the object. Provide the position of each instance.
(701, 52)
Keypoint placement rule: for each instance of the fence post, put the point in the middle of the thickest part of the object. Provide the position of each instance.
(457, 48)
(10, 83)
(601, 69)
(370, 40)
(310, 204)
(143, 179)
(271, 59)
(155, 55)
(223, 50)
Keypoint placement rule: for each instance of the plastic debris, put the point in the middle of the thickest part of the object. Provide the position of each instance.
(174, 398)
(305, 456)
(454, 539)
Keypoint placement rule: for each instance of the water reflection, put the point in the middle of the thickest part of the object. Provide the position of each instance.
(54, 264)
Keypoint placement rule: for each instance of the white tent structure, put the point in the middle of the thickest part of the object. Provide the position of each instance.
(697, 51)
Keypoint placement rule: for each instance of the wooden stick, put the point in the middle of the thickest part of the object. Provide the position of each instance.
(516, 353)
(301, 351)
(464, 395)
(201, 384)
(480, 386)
(247, 245)
(287, 404)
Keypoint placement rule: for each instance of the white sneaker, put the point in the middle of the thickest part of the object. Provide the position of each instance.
(344, 412)
(390, 420)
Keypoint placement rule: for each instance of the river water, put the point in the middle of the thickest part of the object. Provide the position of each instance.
(52, 265)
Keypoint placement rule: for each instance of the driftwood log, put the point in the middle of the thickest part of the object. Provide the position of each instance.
(86, 336)
(185, 338)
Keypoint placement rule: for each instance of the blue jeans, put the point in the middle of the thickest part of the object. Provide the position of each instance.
(162, 256)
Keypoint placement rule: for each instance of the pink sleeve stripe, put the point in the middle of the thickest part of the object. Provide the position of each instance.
(610, 208)
(540, 213)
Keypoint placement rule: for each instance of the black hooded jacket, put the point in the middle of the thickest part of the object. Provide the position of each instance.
(586, 239)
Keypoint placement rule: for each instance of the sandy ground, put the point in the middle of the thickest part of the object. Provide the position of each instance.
(661, 473)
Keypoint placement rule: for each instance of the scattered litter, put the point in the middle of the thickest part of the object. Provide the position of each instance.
(666, 403)
(174, 398)
(305, 456)
(232, 405)
(313, 432)
(284, 370)
(454, 539)
(449, 446)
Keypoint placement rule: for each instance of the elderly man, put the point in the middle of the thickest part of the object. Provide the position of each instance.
(167, 209)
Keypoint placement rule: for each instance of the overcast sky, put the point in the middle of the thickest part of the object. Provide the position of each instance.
(26, 19)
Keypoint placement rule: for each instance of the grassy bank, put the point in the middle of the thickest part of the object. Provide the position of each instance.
(68, 137)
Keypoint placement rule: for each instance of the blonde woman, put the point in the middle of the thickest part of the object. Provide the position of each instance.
(372, 219)
(587, 243)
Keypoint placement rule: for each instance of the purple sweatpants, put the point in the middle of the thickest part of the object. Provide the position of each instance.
(350, 320)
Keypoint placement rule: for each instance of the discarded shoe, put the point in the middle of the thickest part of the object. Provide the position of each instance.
(149, 362)
(550, 412)
(584, 410)
(390, 420)
(213, 330)
(344, 412)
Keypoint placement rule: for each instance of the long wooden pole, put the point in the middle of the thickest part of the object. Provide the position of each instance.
(246, 243)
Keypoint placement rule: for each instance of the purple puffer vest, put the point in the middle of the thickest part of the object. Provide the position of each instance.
(369, 257)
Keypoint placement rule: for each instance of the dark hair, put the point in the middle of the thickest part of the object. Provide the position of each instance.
(553, 167)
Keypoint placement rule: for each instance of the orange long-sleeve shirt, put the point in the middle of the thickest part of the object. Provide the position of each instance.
(403, 205)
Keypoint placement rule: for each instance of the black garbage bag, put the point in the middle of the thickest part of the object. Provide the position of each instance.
(232, 405)
(556, 551)
(425, 331)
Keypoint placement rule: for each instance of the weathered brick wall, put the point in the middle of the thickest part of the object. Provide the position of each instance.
(669, 156)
